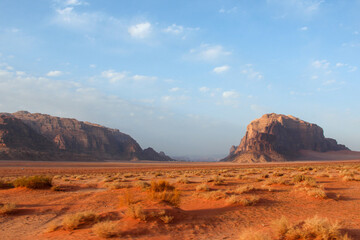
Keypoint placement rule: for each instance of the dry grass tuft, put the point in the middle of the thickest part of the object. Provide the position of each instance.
(7, 208)
(166, 218)
(315, 228)
(202, 187)
(245, 189)
(164, 192)
(73, 221)
(5, 184)
(34, 182)
(136, 211)
(106, 229)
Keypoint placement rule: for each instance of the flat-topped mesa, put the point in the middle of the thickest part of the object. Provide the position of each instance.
(67, 138)
(277, 137)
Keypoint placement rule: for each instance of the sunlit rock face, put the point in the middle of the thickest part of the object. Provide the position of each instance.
(277, 137)
(39, 136)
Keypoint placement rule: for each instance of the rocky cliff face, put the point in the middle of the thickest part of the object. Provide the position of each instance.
(276, 137)
(65, 137)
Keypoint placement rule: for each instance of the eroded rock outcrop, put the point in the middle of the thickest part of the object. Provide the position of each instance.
(64, 137)
(277, 137)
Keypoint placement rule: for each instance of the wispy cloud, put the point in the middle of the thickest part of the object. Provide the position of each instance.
(304, 28)
(54, 73)
(228, 11)
(204, 89)
(140, 30)
(113, 76)
(324, 64)
(221, 69)
(251, 73)
(207, 52)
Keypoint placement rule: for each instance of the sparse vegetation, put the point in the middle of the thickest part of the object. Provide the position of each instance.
(34, 182)
(7, 208)
(73, 221)
(106, 229)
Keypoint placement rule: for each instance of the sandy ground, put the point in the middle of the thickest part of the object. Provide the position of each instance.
(200, 215)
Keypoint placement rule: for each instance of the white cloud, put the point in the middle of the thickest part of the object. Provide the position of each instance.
(352, 68)
(174, 29)
(69, 18)
(92, 65)
(221, 69)
(174, 89)
(141, 30)
(302, 7)
(250, 72)
(305, 28)
(339, 64)
(230, 94)
(54, 73)
(324, 64)
(143, 78)
(113, 76)
(329, 82)
(204, 89)
(231, 10)
(207, 52)
(75, 3)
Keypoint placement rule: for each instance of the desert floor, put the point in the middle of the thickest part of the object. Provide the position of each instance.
(217, 200)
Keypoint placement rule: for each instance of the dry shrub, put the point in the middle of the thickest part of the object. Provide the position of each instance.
(163, 191)
(166, 219)
(106, 229)
(244, 201)
(245, 189)
(136, 211)
(73, 221)
(5, 184)
(34, 182)
(143, 185)
(251, 234)
(202, 187)
(315, 228)
(117, 185)
(160, 186)
(127, 198)
(183, 180)
(316, 193)
(7, 208)
(215, 195)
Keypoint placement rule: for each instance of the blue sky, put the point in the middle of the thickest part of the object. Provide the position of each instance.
(185, 77)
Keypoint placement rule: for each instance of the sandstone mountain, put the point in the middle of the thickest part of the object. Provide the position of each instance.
(43, 137)
(276, 137)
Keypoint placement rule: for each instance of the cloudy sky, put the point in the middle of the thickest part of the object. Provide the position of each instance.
(185, 77)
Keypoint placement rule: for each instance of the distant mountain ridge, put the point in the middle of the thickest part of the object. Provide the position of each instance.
(37, 136)
(277, 137)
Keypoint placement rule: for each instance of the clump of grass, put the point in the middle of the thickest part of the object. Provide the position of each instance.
(106, 229)
(302, 178)
(117, 185)
(166, 219)
(143, 185)
(163, 191)
(312, 229)
(215, 195)
(202, 187)
(7, 208)
(127, 199)
(73, 221)
(244, 201)
(5, 184)
(34, 182)
(136, 211)
(183, 180)
(245, 189)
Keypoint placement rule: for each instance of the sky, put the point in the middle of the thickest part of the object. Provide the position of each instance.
(184, 77)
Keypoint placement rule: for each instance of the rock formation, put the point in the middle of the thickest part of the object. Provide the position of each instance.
(276, 137)
(39, 136)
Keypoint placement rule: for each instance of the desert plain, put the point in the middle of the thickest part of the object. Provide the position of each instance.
(167, 200)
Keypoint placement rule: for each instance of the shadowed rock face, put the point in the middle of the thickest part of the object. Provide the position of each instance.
(276, 137)
(71, 138)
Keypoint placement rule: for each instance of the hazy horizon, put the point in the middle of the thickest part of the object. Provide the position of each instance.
(184, 77)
